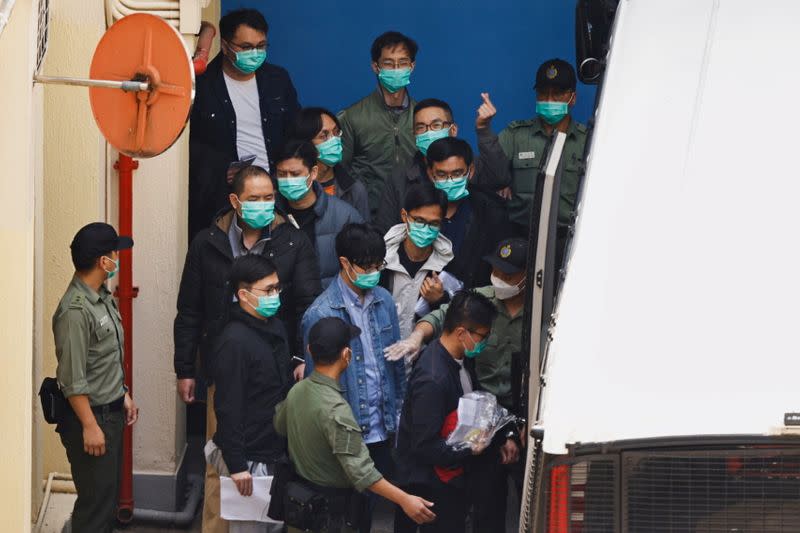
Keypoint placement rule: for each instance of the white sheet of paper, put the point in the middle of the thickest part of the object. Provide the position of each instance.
(234, 506)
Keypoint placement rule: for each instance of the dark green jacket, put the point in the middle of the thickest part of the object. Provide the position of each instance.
(376, 139)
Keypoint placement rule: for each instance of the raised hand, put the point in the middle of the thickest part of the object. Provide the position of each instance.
(486, 113)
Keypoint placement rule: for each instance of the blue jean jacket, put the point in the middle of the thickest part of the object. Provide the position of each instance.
(385, 330)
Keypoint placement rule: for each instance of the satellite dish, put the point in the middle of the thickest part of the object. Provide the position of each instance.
(141, 85)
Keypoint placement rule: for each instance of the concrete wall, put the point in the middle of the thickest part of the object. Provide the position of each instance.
(17, 153)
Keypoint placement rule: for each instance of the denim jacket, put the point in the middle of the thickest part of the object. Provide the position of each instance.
(385, 330)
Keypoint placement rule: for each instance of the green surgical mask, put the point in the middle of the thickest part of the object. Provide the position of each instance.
(293, 188)
(422, 235)
(365, 281)
(258, 215)
(248, 61)
(267, 305)
(455, 189)
(330, 151)
(476, 349)
(112, 273)
(394, 79)
(424, 140)
(552, 112)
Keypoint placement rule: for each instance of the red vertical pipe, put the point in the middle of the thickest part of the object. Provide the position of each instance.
(125, 166)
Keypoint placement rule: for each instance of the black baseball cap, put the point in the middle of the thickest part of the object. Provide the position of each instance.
(96, 239)
(510, 257)
(555, 73)
(329, 336)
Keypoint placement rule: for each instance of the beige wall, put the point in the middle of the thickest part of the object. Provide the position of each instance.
(17, 153)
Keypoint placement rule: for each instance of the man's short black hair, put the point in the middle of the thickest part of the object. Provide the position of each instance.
(360, 244)
(307, 123)
(469, 309)
(83, 262)
(305, 151)
(390, 39)
(248, 269)
(447, 147)
(233, 19)
(434, 102)
(244, 174)
(422, 194)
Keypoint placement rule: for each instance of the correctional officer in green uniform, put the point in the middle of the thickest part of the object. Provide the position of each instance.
(89, 340)
(325, 442)
(494, 369)
(524, 143)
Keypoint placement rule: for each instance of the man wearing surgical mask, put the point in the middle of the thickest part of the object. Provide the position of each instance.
(498, 364)
(242, 106)
(250, 225)
(373, 386)
(433, 120)
(318, 214)
(474, 221)
(524, 143)
(377, 132)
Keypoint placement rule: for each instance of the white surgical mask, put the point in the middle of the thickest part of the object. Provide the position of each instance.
(503, 290)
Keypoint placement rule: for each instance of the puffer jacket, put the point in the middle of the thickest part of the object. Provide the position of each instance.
(332, 214)
(204, 296)
(404, 288)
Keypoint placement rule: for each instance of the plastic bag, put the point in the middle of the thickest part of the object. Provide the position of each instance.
(480, 417)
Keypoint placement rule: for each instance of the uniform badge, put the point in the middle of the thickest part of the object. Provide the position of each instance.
(551, 73)
(505, 251)
(527, 155)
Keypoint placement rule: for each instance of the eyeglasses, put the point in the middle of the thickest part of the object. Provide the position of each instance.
(436, 125)
(272, 290)
(247, 47)
(431, 223)
(324, 135)
(371, 269)
(471, 332)
(389, 64)
(455, 175)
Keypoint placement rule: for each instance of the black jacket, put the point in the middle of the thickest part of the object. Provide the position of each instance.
(252, 375)
(204, 296)
(212, 137)
(433, 391)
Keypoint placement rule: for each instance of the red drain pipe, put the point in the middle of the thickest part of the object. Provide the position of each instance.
(125, 294)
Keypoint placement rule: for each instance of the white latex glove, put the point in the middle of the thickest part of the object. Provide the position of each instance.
(408, 348)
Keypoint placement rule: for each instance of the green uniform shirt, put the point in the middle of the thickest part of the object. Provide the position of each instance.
(89, 339)
(375, 140)
(493, 365)
(325, 442)
(524, 143)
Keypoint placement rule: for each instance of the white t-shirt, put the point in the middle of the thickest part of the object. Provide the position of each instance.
(249, 133)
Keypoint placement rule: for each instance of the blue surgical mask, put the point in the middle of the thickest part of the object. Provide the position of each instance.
(552, 112)
(112, 273)
(424, 140)
(293, 188)
(267, 305)
(330, 151)
(422, 235)
(365, 281)
(248, 61)
(455, 189)
(394, 79)
(476, 349)
(258, 215)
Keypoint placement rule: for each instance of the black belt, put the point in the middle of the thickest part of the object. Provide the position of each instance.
(112, 407)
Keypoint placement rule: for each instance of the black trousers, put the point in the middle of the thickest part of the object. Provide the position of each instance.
(489, 490)
(451, 505)
(381, 454)
(96, 478)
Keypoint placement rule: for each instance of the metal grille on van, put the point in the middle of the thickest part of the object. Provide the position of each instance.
(748, 490)
(581, 496)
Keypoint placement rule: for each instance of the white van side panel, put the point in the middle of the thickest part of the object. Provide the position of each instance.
(681, 311)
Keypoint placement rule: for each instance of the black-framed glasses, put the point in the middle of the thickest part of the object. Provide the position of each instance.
(326, 135)
(390, 64)
(372, 268)
(431, 223)
(436, 125)
(272, 290)
(247, 47)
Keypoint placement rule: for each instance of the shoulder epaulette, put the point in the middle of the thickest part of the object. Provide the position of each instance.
(77, 301)
(520, 123)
